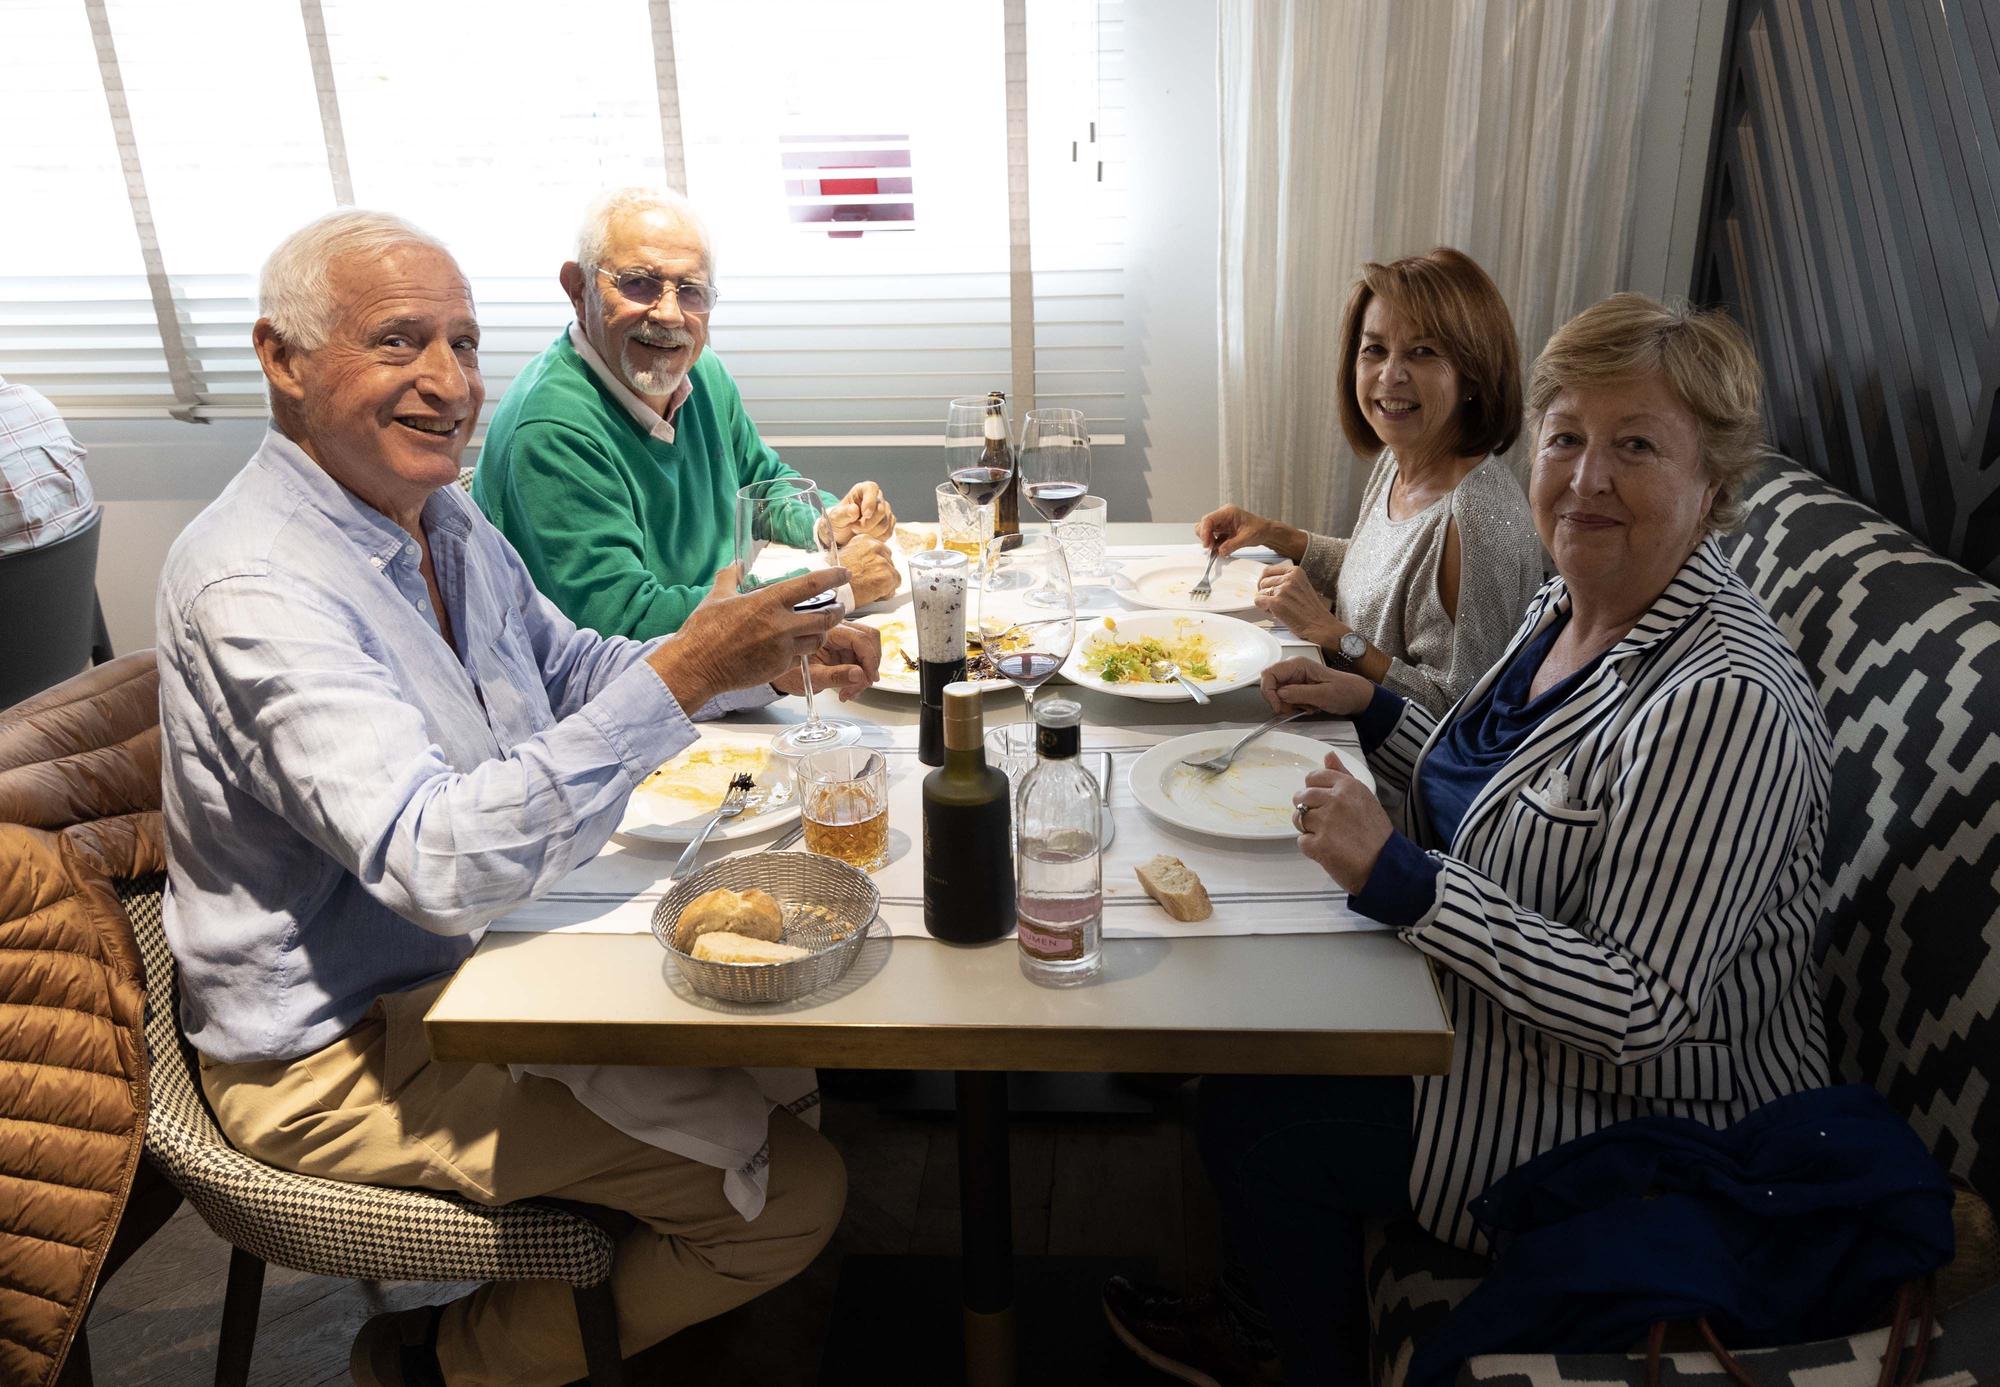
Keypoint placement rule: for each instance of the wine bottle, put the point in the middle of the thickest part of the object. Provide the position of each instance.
(1000, 454)
(1060, 893)
(968, 828)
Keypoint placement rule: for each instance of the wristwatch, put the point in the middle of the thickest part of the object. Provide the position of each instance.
(1353, 649)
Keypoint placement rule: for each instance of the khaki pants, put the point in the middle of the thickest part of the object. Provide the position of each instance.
(373, 1108)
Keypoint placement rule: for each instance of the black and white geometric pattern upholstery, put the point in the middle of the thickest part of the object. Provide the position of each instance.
(325, 1226)
(1904, 648)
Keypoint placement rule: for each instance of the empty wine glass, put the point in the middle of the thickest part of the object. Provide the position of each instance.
(1027, 610)
(781, 528)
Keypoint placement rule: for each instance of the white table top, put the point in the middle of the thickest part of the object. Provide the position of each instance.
(1327, 1004)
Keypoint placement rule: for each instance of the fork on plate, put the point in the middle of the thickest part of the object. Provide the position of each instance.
(1200, 591)
(733, 803)
(1216, 765)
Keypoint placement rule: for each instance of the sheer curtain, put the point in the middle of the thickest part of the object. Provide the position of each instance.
(1356, 131)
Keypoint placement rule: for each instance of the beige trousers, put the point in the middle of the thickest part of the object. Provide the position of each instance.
(373, 1108)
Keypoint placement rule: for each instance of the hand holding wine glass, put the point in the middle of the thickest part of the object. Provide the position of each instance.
(789, 513)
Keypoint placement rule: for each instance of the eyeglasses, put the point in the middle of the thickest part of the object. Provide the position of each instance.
(644, 288)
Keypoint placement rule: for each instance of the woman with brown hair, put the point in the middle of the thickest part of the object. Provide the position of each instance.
(1430, 384)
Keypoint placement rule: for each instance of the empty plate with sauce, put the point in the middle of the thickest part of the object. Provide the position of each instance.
(1252, 800)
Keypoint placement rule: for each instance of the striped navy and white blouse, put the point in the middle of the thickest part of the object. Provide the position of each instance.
(1625, 913)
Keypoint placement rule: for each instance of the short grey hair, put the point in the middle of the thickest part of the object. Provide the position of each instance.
(593, 238)
(295, 289)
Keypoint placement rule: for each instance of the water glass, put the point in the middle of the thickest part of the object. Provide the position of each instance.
(1011, 748)
(844, 804)
(962, 525)
(1081, 536)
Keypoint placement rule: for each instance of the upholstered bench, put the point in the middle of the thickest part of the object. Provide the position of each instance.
(1905, 649)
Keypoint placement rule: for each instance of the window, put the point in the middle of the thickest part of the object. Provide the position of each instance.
(853, 162)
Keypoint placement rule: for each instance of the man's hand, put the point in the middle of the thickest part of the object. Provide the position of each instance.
(874, 570)
(1291, 685)
(1285, 594)
(1230, 528)
(848, 663)
(737, 641)
(1341, 826)
(862, 511)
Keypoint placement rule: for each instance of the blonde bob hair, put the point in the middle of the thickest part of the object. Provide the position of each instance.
(1706, 361)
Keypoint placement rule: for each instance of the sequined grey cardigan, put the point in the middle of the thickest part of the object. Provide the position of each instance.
(1383, 579)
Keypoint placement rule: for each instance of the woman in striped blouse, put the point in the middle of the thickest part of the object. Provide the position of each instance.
(1611, 847)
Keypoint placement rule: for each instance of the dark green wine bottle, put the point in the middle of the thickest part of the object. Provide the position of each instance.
(968, 832)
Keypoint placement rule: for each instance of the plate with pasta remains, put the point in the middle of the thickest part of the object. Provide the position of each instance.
(671, 804)
(1220, 653)
(898, 630)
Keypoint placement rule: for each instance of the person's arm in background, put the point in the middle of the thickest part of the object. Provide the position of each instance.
(576, 526)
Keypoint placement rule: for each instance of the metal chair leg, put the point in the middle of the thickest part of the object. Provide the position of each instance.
(597, 1317)
(239, 1318)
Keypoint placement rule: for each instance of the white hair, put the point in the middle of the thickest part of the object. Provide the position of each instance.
(593, 238)
(295, 289)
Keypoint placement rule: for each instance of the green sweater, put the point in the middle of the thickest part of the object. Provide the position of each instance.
(621, 531)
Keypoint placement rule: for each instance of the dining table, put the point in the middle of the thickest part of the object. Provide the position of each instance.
(1285, 980)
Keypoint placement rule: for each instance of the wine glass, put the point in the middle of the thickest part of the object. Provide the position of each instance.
(1055, 464)
(789, 514)
(1027, 610)
(973, 459)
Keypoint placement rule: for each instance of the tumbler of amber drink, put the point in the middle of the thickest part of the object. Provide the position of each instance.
(962, 525)
(844, 798)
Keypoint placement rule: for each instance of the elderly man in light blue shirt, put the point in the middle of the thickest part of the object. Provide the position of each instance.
(377, 737)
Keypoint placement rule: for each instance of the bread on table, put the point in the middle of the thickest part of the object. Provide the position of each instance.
(1179, 891)
(751, 914)
(721, 946)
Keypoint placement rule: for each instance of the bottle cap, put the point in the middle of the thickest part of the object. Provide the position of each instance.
(1058, 728)
(1058, 712)
(964, 723)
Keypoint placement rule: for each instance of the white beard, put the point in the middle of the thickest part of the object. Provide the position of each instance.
(656, 380)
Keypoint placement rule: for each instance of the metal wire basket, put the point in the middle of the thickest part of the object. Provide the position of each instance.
(827, 906)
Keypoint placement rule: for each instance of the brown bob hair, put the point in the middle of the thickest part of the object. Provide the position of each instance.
(1453, 302)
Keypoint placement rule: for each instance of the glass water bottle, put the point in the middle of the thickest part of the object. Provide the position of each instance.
(1059, 889)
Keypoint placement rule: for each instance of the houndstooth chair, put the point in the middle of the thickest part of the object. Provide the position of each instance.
(334, 1229)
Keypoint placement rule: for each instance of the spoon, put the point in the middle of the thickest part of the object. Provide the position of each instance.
(1163, 670)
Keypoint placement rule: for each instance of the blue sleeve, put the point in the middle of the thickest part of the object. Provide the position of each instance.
(1379, 718)
(1403, 886)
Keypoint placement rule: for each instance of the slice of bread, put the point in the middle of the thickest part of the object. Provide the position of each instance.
(753, 914)
(720, 946)
(1179, 891)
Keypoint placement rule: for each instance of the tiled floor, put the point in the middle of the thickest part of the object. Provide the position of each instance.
(1085, 1185)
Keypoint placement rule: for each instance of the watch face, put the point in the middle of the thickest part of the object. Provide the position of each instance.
(1353, 647)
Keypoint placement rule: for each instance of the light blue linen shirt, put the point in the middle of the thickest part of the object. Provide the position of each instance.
(348, 801)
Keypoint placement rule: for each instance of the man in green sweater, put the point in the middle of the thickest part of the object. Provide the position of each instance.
(613, 461)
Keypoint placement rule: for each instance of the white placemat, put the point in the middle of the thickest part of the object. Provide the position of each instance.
(1257, 888)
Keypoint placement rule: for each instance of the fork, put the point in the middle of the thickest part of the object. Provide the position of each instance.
(1216, 765)
(1200, 591)
(733, 803)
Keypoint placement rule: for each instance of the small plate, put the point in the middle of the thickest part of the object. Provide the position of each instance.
(671, 803)
(1250, 801)
(899, 637)
(1166, 583)
(1238, 652)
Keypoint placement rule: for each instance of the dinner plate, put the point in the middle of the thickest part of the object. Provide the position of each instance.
(1252, 800)
(899, 638)
(1237, 652)
(671, 803)
(1166, 583)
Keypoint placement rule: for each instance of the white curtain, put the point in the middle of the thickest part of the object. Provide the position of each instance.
(1357, 130)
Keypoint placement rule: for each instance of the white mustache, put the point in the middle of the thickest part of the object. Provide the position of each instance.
(664, 337)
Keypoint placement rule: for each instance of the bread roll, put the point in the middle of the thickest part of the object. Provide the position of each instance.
(753, 914)
(1178, 890)
(720, 946)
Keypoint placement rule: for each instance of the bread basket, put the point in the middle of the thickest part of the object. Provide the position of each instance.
(827, 906)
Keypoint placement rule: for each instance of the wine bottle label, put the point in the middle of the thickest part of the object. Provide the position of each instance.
(1049, 943)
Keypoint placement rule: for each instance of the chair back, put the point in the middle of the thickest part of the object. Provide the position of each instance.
(48, 613)
(1904, 647)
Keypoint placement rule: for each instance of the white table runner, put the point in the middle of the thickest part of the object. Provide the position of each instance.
(1257, 888)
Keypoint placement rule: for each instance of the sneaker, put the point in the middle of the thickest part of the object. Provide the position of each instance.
(398, 1349)
(1188, 1337)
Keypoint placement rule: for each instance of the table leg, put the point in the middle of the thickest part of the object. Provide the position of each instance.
(986, 1224)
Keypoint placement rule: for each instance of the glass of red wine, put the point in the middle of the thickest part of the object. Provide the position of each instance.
(1027, 610)
(1055, 462)
(977, 438)
(781, 531)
